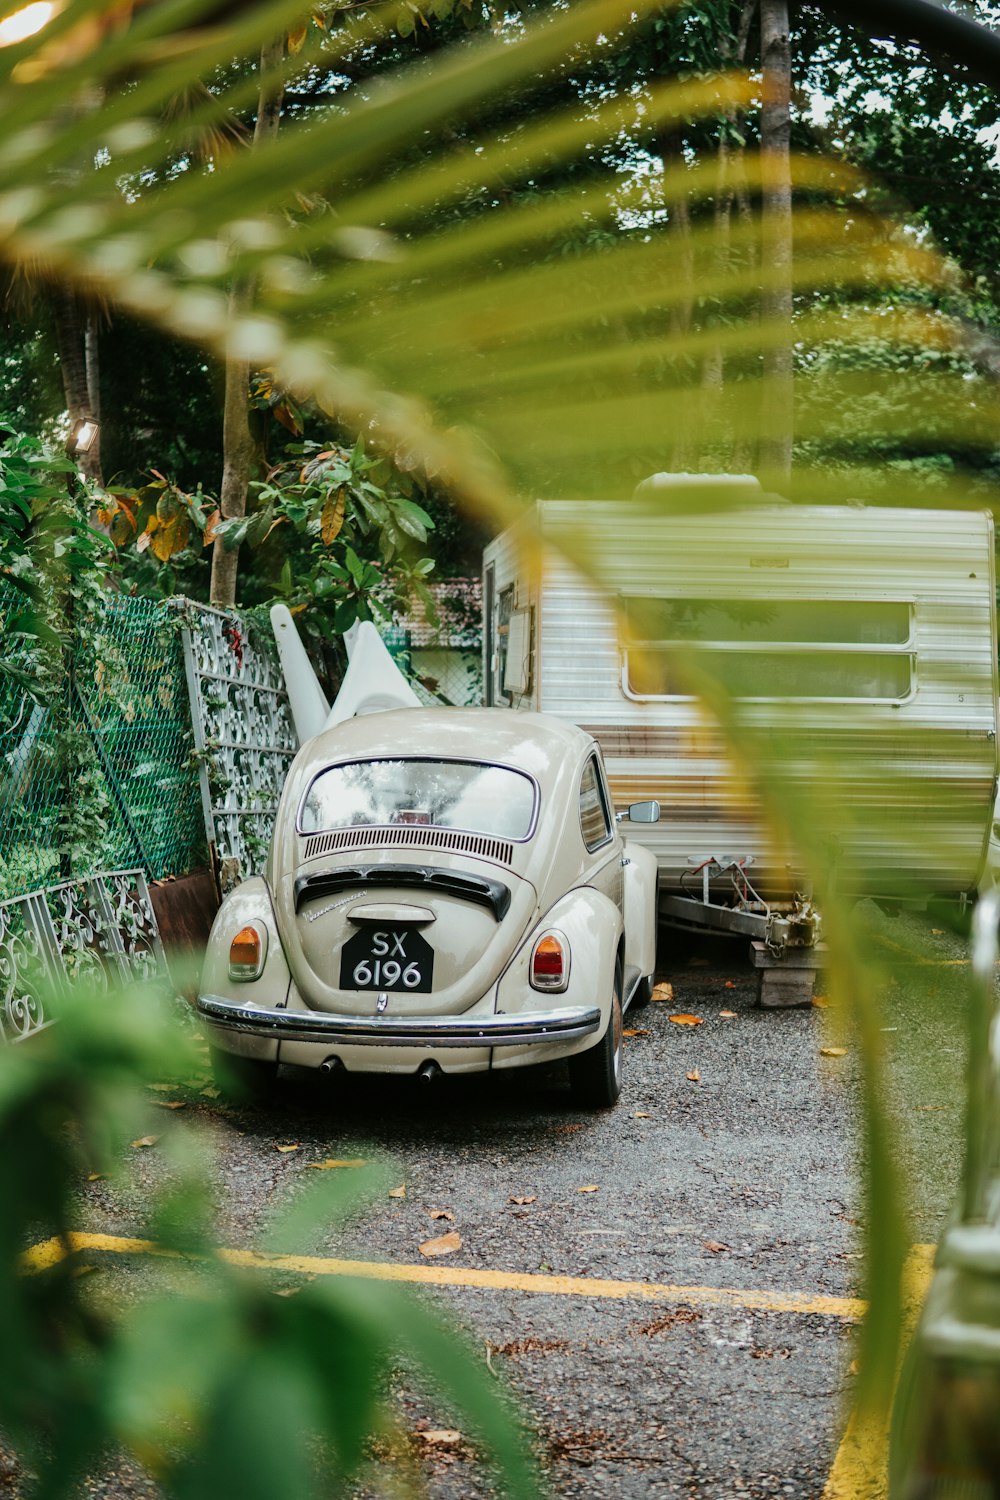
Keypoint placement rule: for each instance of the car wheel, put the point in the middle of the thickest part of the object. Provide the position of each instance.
(595, 1076)
(242, 1078)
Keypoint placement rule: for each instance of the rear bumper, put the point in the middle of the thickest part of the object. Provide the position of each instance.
(566, 1024)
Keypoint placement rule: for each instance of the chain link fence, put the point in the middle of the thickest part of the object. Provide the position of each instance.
(96, 767)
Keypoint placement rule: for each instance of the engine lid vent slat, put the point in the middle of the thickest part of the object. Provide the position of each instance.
(500, 851)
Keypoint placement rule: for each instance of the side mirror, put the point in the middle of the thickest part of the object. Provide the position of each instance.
(643, 812)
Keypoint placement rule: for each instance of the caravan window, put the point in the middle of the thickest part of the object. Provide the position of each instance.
(765, 648)
(501, 630)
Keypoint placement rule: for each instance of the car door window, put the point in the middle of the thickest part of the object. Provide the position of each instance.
(595, 817)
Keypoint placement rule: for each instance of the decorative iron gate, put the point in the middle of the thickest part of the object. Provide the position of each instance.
(100, 931)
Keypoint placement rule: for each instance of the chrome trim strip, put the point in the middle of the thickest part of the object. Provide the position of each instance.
(567, 1024)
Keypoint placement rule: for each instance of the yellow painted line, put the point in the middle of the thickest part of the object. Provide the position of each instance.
(860, 1467)
(938, 963)
(889, 945)
(850, 1309)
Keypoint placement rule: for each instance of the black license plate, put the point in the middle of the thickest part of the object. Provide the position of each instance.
(387, 958)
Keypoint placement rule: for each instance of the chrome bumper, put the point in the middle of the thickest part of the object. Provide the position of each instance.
(565, 1025)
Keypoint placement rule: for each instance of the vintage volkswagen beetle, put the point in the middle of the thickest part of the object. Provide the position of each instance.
(446, 891)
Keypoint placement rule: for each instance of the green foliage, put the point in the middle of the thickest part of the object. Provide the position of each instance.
(159, 516)
(161, 407)
(49, 555)
(440, 270)
(311, 505)
(89, 692)
(338, 533)
(214, 1382)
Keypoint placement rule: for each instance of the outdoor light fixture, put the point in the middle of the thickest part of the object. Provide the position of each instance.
(83, 436)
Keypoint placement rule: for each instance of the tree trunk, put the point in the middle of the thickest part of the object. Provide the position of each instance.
(92, 361)
(670, 148)
(713, 364)
(721, 448)
(237, 451)
(72, 333)
(237, 444)
(776, 240)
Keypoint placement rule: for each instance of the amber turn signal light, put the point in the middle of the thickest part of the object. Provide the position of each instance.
(246, 954)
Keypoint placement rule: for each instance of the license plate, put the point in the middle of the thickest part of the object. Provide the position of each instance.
(387, 958)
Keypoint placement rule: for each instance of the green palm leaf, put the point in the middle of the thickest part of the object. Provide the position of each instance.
(440, 307)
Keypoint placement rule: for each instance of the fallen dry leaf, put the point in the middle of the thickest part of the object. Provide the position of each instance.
(730, 984)
(694, 1076)
(715, 1246)
(284, 1149)
(442, 1213)
(169, 1103)
(522, 1201)
(938, 931)
(440, 1437)
(820, 1001)
(146, 1140)
(210, 1093)
(445, 1244)
(161, 1088)
(727, 1015)
(833, 1052)
(590, 1188)
(635, 1031)
(663, 991)
(641, 1114)
(683, 1019)
(563, 1129)
(333, 1161)
(399, 1192)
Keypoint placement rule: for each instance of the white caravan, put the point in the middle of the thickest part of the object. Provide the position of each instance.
(859, 644)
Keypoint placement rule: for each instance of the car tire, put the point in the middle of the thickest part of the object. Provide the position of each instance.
(243, 1079)
(595, 1076)
(643, 992)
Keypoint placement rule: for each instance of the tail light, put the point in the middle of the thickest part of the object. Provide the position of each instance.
(247, 952)
(550, 963)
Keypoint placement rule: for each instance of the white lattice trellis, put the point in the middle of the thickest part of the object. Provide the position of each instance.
(243, 734)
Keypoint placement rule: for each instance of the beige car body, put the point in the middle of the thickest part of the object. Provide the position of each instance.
(321, 888)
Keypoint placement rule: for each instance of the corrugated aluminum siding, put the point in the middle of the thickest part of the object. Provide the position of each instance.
(899, 794)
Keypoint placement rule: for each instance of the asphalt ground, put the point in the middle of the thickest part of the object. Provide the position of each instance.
(670, 1286)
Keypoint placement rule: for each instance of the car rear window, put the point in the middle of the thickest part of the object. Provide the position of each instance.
(467, 795)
